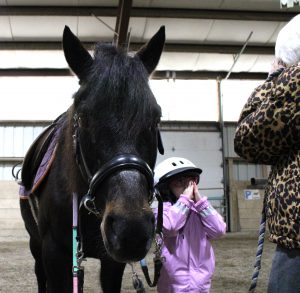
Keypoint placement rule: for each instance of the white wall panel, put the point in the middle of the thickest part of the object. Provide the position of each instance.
(6, 172)
(229, 133)
(35, 98)
(37, 131)
(28, 137)
(235, 94)
(8, 142)
(15, 140)
(18, 143)
(1, 141)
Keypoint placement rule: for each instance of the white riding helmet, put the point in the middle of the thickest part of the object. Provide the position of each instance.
(172, 167)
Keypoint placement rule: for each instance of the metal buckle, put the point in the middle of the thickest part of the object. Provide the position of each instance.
(136, 281)
(89, 203)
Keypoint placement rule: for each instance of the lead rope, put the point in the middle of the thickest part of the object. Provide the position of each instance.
(157, 259)
(259, 251)
(77, 254)
(262, 226)
(136, 281)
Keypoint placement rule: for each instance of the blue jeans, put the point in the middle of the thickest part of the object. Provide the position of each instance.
(285, 271)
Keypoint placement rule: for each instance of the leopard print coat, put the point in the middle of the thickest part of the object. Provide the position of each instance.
(268, 132)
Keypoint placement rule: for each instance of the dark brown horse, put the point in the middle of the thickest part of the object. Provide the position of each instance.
(106, 148)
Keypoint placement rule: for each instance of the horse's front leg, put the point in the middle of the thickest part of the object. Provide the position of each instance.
(35, 248)
(111, 276)
(58, 266)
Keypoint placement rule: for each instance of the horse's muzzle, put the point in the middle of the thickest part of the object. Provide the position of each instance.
(128, 237)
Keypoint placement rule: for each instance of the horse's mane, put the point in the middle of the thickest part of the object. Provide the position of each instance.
(118, 83)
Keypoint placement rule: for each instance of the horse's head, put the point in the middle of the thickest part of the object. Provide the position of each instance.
(117, 126)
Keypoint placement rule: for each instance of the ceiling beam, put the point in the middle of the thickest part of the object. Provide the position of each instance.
(212, 48)
(183, 48)
(58, 11)
(147, 12)
(208, 75)
(19, 72)
(165, 125)
(122, 22)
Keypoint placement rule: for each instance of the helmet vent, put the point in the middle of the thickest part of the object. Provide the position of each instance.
(174, 164)
(181, 162)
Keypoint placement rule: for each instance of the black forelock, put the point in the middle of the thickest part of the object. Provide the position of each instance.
(118, 83)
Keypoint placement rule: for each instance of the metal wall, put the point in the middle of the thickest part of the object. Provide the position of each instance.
(15, 139)
(242, 171)
(200, 142)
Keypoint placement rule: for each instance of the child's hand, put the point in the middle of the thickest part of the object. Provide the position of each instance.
(197, 195)
(189, 190)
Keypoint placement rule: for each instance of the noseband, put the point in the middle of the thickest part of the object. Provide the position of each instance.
(119, 163)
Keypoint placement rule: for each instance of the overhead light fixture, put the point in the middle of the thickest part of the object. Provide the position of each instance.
(289, 3)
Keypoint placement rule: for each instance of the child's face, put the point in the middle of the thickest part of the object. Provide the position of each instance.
(179, 184)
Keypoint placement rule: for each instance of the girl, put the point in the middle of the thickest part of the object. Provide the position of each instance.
(189, 222)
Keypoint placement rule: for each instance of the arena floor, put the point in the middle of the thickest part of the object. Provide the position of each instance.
(235, 255)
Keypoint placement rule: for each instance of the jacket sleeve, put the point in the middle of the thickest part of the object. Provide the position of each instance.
(269, 123)
(212, 221)
(175, 216)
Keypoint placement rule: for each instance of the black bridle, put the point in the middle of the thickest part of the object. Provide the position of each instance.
(119, 163)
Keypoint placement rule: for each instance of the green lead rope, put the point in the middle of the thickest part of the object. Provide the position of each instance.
(77, 269)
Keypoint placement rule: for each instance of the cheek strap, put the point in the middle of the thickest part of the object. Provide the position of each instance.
(160, 143)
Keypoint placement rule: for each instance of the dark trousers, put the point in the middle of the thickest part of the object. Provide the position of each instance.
(285, 271)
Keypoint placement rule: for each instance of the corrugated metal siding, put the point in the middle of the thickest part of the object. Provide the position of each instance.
(202, 147)
(243, 171)
(14, 143)
(229, 133)
(15, 140)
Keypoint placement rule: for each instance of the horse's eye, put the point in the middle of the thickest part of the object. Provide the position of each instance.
(82, 121)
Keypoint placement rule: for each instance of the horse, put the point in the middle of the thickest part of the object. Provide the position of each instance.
(106, 148)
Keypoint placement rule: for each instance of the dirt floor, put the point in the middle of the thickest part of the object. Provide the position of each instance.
(235, 255)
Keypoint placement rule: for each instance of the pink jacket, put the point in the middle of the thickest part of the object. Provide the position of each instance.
(190, 260)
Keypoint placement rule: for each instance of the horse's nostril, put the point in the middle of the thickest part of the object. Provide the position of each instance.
(111, 223)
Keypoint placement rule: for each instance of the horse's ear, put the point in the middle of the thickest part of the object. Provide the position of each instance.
(78, 58)
(150, 52)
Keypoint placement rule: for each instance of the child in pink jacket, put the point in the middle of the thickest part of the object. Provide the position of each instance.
(189, 222)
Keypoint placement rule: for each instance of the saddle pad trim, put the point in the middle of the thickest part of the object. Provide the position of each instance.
(23, 192)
